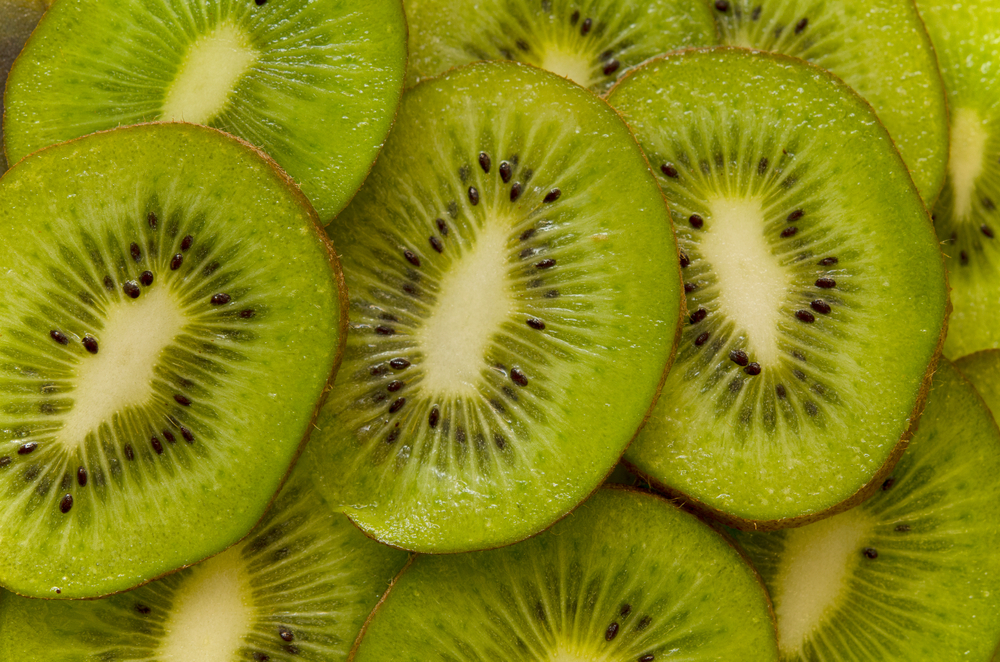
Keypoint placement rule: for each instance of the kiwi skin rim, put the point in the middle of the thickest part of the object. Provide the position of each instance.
(869, 488)
(334, 260)
(610, 486)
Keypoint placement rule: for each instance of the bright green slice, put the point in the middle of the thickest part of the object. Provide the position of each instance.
(913, 573)
(314, 84)
(298, 588)
(878, 47)
(515, 298)
(17, 20)
(171, 317)
(966, 215)
(815, 287)
(591, 42)
(626, 577)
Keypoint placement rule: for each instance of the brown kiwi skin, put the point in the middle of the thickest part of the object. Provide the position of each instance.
(694, 505)
(342, 324)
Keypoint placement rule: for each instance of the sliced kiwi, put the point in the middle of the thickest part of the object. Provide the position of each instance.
(170, 319)
(298, 588)
(591, 42)
(314, 84)
(815, 288)
(17, 20)
(983, 370)
(878, 47)
(626, 577)
(515, 299)
(913, 573)
(966, 217)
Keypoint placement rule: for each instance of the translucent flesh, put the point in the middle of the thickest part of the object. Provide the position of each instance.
(919, 575)
(216, 397)
(624, 577)
(482, 429)
(836, 389)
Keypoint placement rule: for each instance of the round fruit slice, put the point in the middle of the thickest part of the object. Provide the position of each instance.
(878, 47)
(966, 216)
(626, 577)
(592, 43)
(299, 588)
(515, 299)
(814, 284)
(314, 84)
(170, 318)
(914, 572)
(17, 20)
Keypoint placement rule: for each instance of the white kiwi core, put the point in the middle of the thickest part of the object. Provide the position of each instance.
(965, 162)
(212, 67)
(121, 373)
(568, 63)
(569, 653)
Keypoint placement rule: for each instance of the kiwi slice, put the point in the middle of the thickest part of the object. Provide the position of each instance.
(515, 299)
(17, 20)
(298, 588)
(878, 47)
(626, 577)
(591, 42)
(815, 288)
(171, 316)
(314, 84)
(913, 573)
(983, 370)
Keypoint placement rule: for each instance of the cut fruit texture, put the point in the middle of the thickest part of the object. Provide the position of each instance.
(17, 20)
(626, 577)
(168, 327)
(515, 299)
(913, 573)
(314, 84)
(815, 288)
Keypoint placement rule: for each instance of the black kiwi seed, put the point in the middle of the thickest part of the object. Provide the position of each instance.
(436, 244)
(442, 227)
(552, 294)
(5, 461)
(412, 258)
(801, 25)
(186, 242)
(261, 657)
(151, 219)
(484, 163)
(157, 445)
(888, 483)
(821, 306)
(131, 288)
(701, 340)
(805, 316)
(59, 337)
(515, 191)
(518, 377)
(176, 261)
(669, 170)
(755, 14)
(527, 234)
(644, 623)
(536, 324)
(108, 283)
(260, 3)
(146, 278)
(248, 313)
(698, 315)
(689, 288)
(871, 553)
(141, 608)
(66, 503)
(796, 215)
(384, 330)
(780, 391)
(547, 263)
(585, 26)
(90, 344)
(650, 657)
(985, 229)
(181, 400)
(789, 232)
(552, 195)
(827, 261)
(399, 364)
(685, 260)
(397, 405)
(611, 632)
(285, 633)
(526, 253)
(27, 448)
(964, 257)
(473, 196)
(187, 434)
(505, 171)
(826, 282)
(902, 528)
(752, 369)
(433, 417)
(696, 221)
(135, 251)
(220, 299)
(611, 67)
(722, 5)
(739, 357)
(169, 436)
(394, 386)
(574, 17)
(625, 610)
(763, 163)
(81, 477)
(129, 453)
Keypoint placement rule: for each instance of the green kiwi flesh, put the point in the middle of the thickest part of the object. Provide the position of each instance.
(878, 47)
(167, 329)
(514, 302)
(983, 370)
(17, 20)
(592, 42)
(815, 289)
(913, 573)
(298, 588)
(626, 577)
(314, 84)
(966, 217)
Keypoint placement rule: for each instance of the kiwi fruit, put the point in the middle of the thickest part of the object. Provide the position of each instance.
(816, 292)
(298, 588)
(591, 42)
(314, 84)
(17, 19)
(626, 577)
(169, 326)
(509, 259)
(983, 369)
(913, 573)
(965, 216)
(878, 47)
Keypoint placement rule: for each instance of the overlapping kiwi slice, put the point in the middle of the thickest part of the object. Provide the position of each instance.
(914, 572)
(17, 19)
(315, 84)
(298, 588)
(966, 216)
(815, 289)
(626, 578)
(592, 42)
(878, 47)
(170, 319)
(515, 298)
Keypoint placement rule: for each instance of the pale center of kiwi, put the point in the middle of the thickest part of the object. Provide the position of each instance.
(211, 69)
(814, 572)
(569, 63)
(474, 300)
(121, 373)
(752, 284)
(968, 149)
(574, 653)
(212, 613)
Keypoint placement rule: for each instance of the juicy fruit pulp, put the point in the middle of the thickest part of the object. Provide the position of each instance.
(626, 577)
(913, 573)
(314, 84)
(508, 259)
(168, 327)
(814, 283)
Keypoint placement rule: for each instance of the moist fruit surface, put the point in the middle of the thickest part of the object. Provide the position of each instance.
(17, 19)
